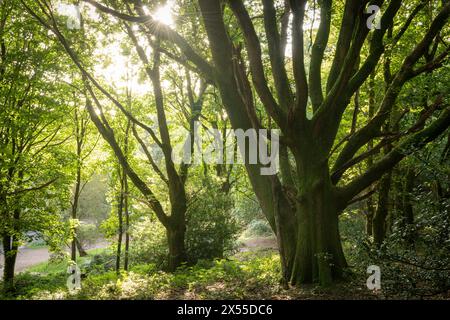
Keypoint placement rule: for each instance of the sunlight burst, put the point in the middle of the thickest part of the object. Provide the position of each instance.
(164, 14)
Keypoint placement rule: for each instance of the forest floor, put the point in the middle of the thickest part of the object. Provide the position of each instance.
(28, 257)
(258, 244)
(252, 273)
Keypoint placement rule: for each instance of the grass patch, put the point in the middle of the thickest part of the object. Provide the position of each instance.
(36, 245)
(54, 267)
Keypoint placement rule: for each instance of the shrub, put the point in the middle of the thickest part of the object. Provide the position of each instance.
(99, 263)
(257, 228)
(212, 229)
(149, 243)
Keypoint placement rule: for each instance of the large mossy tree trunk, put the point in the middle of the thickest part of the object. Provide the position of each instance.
(307, 225)
(319, 256)
(311, 251)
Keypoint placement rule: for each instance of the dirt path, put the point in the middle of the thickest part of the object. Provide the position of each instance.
(28, 257)
(258, 244)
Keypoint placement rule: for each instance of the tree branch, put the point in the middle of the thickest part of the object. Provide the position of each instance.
(257, 69)
(45, 185)
(414, 142)
(164, 32)
(318, 49)
(276, 53)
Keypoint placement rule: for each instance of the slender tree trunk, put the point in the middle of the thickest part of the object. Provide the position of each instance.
(177, 252)
(80, 132)
(379, 226)
(80, 248)
(127, 225)
(370, 201)
(370, 215)
(10, 247)
(76, 197)
(407, 206)
(408, 211)
(120, 228)
(73, 249)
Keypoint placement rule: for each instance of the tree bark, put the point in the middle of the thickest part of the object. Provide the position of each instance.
(80, 248)
(10, 247)
(177, 252)
(319, 254)
(379, 226)
(127, 225)
(370, 215)
(120, 227)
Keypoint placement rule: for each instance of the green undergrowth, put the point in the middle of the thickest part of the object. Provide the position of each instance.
(248, 275)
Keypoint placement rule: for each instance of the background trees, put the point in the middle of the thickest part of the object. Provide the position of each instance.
(33, 164)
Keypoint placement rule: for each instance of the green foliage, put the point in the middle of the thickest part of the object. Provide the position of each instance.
(93, 205)
(149, 243)
(257, 228)
(415, 257)
(247, 209)
(98, 263)
(212, 229)
(87, 234)
(251, 276)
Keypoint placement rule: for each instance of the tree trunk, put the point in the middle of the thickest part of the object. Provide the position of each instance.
(177, 252)
(79, 135)
(127, 225)
(408, 210)
(319, 255)
(80, 248)
(379, 226)
(120, 227)
(370, 215)
(10, 247)
(73, 249)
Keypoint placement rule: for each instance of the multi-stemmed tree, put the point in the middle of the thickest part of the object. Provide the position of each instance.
(33, 165)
